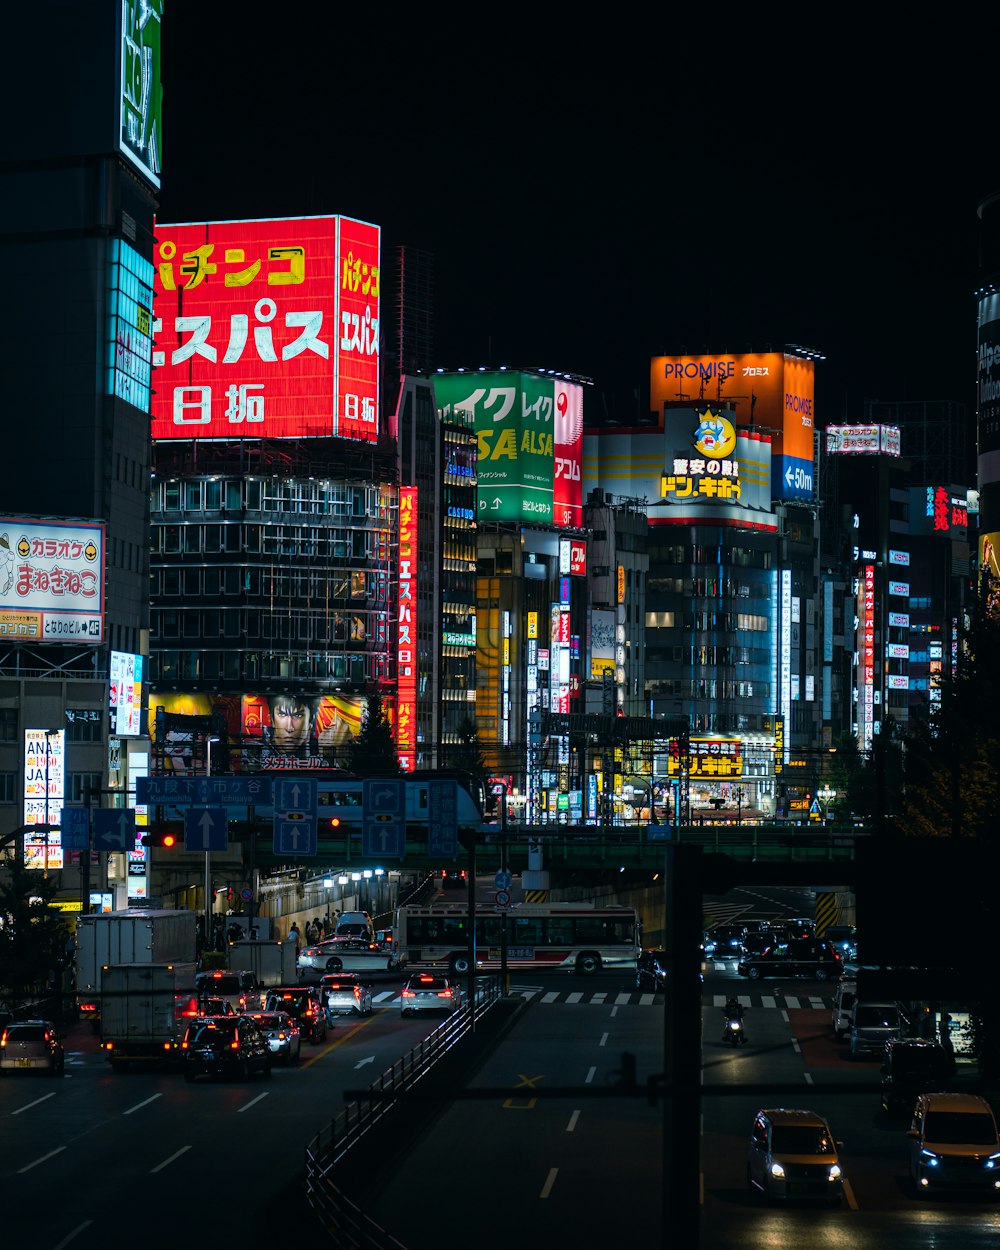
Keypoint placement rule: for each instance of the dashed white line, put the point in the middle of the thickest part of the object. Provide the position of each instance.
(69, 1236)
(550, 997)
(604, 1040)
(590, 1076)
(28, 1166)
(574, 998)
(253, 1101)
(550, 1180)
(808, 1076)
(167, 1162)
(598, 998)
(795, 1046)
(139, 1105)
(28, 1105)
(623, 1000)
(572, 1121)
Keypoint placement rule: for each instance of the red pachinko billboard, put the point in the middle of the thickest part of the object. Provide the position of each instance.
(406, 635)
(266, 329)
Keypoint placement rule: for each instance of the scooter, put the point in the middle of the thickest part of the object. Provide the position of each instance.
(734, 1032)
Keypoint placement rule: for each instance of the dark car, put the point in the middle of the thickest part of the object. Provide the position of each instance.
(225, 1046)
(303, 1004)
(913, 1066)
(651, 970)
(798, 957)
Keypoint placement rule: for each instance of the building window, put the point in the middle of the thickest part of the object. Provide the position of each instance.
(83, 725)
(80, 786)
(8, 724)
(8, 787)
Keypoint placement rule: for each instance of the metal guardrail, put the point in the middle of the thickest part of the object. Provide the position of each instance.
(340, 1216)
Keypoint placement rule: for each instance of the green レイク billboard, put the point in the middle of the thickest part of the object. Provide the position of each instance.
(513, 416)
(140, 94)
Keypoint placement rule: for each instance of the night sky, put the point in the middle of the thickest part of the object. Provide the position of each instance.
(594, 198)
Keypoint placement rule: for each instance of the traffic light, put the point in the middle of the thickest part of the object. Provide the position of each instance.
(163, 839)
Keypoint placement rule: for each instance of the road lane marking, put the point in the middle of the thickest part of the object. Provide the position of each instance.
(808, 1076)
(792, 1002)
(69, 1236)
(574, 997)
(28, 1105)
(852, 1202)
(550, 1180)
(614, 1012)
(784, 1014)
(139, 1105)
(767, 1000)
(572, 1121)
(590, 1076)
(604, 1040)
(795, 1046)
(28, 1166)
(646, 1000)
(598, 998)
(167, 1162)
(623, 1000)
(253, 1102)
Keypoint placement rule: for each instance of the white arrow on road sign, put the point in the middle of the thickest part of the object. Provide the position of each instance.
(114, 829)
(206, 829)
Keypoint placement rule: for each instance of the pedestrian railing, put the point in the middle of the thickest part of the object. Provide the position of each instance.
(341, 1217)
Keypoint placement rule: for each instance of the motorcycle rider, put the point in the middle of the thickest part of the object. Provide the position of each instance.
(733, 1010)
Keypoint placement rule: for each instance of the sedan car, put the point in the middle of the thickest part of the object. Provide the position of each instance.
(344, 994)
(793, 1154)
(342, 955)
(725, 941)
(215, 1007)
(651, 970)
(800, 957)
(32, 1046)
(426, 992)
(283, 1035)
(224, 1046)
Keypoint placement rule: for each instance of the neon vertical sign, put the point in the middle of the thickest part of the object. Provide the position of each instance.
(406, 632)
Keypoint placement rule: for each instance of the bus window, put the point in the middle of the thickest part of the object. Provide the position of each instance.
(559, 931)
(527, 931)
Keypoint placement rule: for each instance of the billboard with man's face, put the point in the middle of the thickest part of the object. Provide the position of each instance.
(267, 329)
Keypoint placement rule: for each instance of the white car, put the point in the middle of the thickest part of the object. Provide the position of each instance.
(344, 994)
(342, 955)
(426, 992)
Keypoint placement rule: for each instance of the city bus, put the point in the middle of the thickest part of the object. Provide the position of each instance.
(578, 937)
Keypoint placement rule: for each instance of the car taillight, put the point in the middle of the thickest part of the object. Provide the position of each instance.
(281, 1036)
(408, 994)
(444, 993)
(3, 1039)
(234, 1045)
(357, 991)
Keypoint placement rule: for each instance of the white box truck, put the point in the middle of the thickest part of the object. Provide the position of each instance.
(272, 963)
(145, 1009)
(135, 936)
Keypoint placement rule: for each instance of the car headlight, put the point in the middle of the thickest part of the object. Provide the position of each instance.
(993, 1161)
(777, 1169)
(834, 1174)
(929, 1157)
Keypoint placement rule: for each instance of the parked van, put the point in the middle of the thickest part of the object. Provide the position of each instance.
(872, 1025)
(355, 924)
(953, 1142)
(843, 1004)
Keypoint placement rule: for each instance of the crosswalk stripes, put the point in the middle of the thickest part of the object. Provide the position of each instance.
(636, 998)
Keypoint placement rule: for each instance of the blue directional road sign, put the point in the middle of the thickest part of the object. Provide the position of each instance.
(295, 807)
(502, 880)
(236, 791)
(206, 829)
(383, 829)
(659, 833)
(75, 828)
(442, 818)
(114, 828)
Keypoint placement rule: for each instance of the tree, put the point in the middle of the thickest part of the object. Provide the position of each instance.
(32, 935)
(373, 752)
(467, 753)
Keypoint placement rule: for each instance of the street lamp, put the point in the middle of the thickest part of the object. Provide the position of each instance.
(826, 797)
(208, 854)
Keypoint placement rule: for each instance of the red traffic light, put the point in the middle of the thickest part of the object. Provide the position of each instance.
(165, 840)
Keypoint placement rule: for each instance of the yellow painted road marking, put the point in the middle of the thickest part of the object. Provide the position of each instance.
(524, 1082)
